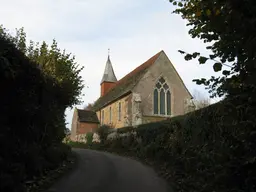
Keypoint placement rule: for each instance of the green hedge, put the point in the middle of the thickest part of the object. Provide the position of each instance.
(212, 149)
(80, 145)
(32, 120)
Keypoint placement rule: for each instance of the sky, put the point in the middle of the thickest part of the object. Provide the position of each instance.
(133, 30)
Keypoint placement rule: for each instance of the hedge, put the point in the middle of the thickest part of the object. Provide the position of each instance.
(212, 149)
(32, 120)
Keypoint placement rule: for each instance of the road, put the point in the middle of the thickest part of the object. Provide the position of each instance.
(104, 172)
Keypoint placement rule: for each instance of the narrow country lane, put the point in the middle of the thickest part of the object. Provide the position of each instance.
(104, 172)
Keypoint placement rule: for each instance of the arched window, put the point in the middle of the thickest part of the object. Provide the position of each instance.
(168, 98)
(162, 98)
(162, 102)
(155, 101)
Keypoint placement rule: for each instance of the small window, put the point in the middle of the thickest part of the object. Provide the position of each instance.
(110, 115)
(119, 111)
(102, 117)
(166, 86)
(161, 80)
(158, 85)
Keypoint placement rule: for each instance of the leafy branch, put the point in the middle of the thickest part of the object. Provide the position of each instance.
(217, 66)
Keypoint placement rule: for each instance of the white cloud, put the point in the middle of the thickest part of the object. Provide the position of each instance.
(134, 30)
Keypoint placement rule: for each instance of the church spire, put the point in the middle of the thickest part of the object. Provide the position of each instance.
(109, 75)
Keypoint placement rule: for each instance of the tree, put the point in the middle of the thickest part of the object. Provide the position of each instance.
(200, 100)
(58, 64)
(229, 27)
(32, 120)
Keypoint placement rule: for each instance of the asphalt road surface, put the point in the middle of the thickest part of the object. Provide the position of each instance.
(104, 172)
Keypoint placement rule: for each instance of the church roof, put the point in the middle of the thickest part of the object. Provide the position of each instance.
(124, 85)
(109, 75)
(87, 116)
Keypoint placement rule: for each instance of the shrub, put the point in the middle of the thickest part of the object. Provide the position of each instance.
(75, 144)
(125, 129)
(211, 149)
(103, 132)
(89, 138)
(32, 120)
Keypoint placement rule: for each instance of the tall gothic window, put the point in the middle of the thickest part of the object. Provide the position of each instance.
(162, 98)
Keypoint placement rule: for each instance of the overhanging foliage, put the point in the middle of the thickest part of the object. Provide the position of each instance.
(229, 28)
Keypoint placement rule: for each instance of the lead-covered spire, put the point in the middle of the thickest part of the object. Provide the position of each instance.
(109, 75)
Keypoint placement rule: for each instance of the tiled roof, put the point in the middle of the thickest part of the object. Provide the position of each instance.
(124, 85)
(87, 116)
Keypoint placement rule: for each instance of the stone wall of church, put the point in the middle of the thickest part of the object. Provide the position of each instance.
(115, 122)
(150, 119)
(145, 87)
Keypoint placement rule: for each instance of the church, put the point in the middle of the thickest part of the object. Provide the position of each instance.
(152, 92)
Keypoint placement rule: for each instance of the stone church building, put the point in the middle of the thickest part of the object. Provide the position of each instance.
(152, 92)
